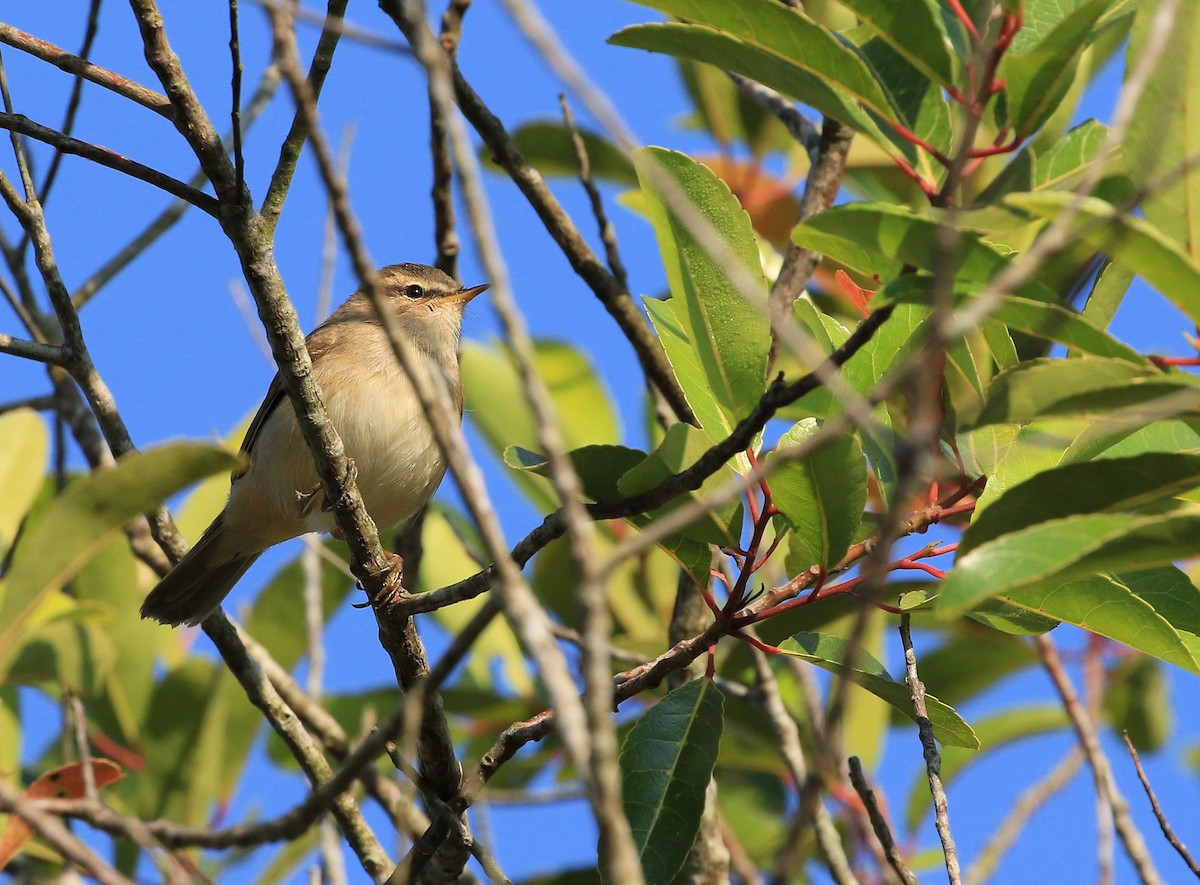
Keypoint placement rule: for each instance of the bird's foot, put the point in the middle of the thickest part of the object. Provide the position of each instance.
(307, 500)
(392, 590)
(351, 476)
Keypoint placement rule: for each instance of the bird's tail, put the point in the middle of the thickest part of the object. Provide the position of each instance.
(195, 587)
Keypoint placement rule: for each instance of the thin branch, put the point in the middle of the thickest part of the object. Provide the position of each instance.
(167, 219)
(63, 840)
(824, 181)
(788, 735)
(22, 125)
(289, 152)
(52, 354)
(933, 759)
(89, 37)
(879, 823)
(1163, 823)
(608, 234)
(1089, 740)
(802, 129)
(84, 69)
(235, 104)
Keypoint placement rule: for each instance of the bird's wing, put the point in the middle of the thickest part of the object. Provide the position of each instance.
(320, 340)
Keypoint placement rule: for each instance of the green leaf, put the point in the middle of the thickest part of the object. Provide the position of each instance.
(1103, 605)
(666, 763)
(879, 239)
(1128, 240)
(829, 653)
(726, 335)
(547, 145)
(1060, 551)
(681, 447)
(1037, 79)
(995, 733)
(77, 524)
(1164, 133)
(1032, 316)
(1091, 388)
(598, 467)
(1114, 484)
(915, 30)
(1170, 593)
(496, 404)
(773, 44)
(1061, 166)
(1137, 701)
(1112, 282)
(822, 496)
(917, 102)
(24, 447)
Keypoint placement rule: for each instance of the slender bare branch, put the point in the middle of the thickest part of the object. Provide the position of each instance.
(84, 69)
(1089, 740)
(52, 354)
(879, 823)
(22, 125)
(1163, 823)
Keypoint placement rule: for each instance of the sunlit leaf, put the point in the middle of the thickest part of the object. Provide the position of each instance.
(1164, 133)
(1113, 484)
(830, 653)
(1038, 77)
(723, 333)
(1060, 551)
(821, 495)
(915, 30)
(774, 44)
(24, 446)
(1134, 242)
(81, 520)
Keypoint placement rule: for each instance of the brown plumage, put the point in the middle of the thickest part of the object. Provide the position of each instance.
(375, 410)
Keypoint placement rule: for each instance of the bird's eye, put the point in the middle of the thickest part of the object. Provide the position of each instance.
(414, 291)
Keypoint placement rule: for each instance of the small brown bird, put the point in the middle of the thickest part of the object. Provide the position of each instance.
(375, 409)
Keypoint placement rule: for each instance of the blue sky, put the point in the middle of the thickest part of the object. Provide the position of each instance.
(171, 342)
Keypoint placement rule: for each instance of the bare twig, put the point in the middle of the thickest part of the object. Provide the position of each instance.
(788, 735)
(289, 152)
(103, 156)
(933, 759)
(608, 234)
(879, 823)
(52, 354)
(89, 37)
(84, 69)
(1163, 823)
(1089, 740)
(64, 841)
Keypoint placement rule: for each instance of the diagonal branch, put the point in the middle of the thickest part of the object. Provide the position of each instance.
(111, 159)
(80, 67)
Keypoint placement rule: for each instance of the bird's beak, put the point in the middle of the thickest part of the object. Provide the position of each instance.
(464, 295)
